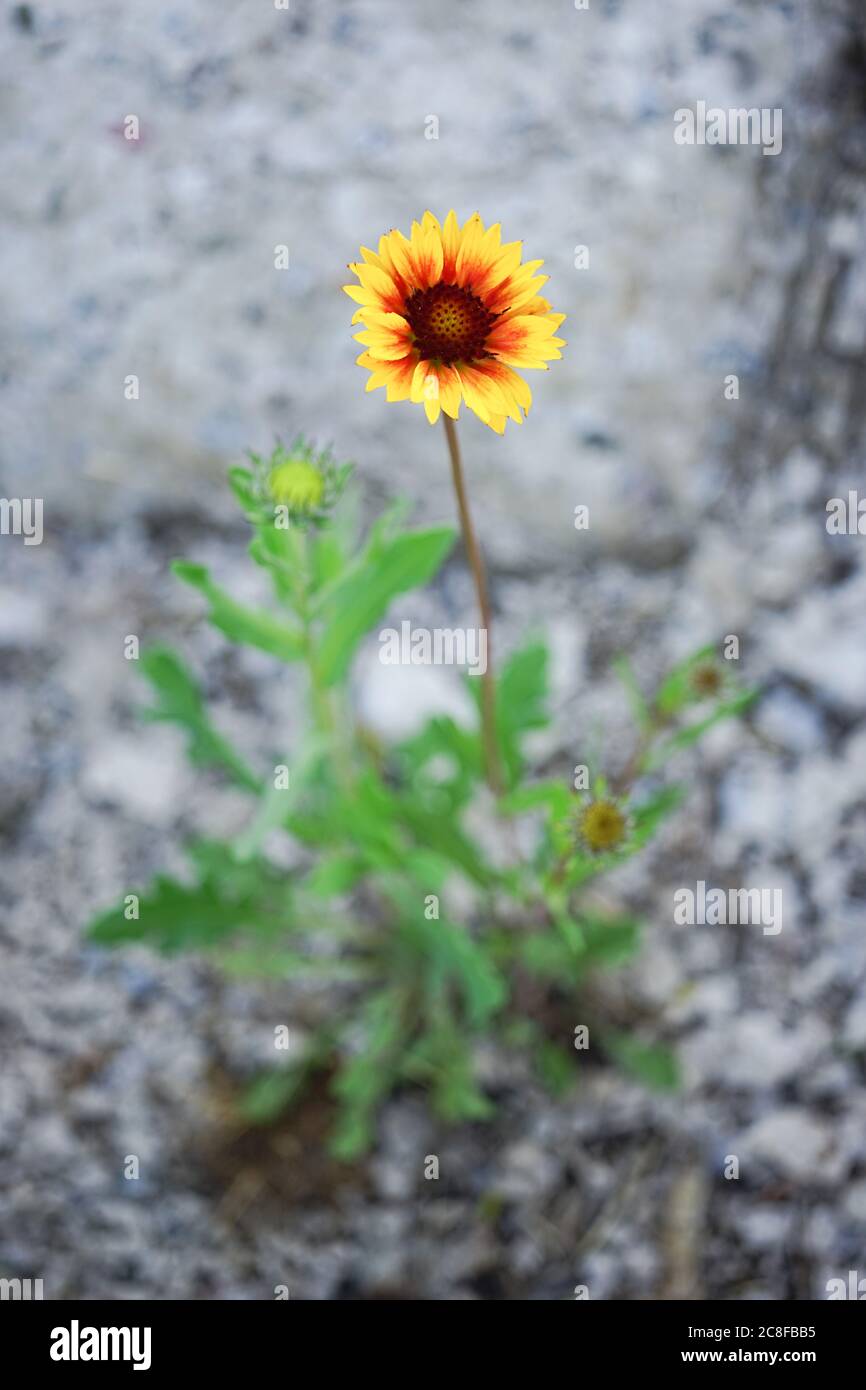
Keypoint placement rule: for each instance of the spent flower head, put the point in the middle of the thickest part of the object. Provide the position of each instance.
(707, 681)
(447, 313)
(602, 825)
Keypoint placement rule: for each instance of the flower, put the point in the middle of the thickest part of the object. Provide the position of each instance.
(296, 484)
(602, 826)
(448, 313)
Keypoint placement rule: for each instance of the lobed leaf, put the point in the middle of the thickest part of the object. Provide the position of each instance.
(363, 596)
(179, 701)
(247, 626)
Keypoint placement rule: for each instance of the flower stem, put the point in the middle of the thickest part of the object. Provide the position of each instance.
(325, 716)
(473, 553)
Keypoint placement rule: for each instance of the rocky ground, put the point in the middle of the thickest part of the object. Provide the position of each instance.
(707, 517)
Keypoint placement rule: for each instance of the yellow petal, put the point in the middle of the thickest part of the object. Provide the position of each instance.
(400, 251)
(523, 340)
(450, 246)
(450, 391)
(468, 261)
(396, 323)
(513, 387)
(372, 278)
(423, 372)
(430, 220)
(480, 389)
(497, 423)
(400, 383)
(384, 346)
(426, 255)
(425, 388)
(372, 259)
(501, 269)
(359, 294)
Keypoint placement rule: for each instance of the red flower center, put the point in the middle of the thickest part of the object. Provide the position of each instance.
(448, 323)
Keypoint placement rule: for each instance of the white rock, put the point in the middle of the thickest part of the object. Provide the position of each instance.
(23, 619)
(822, 642)
(854, 1027)
(855, 1202)
(396, 700)
(756, 1050)
(796, 1144)
(791, 721)
(527, 1171)
(143, 775)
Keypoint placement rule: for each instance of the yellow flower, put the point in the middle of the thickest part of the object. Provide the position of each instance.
(447, 314)
(297, 484)
(602, 826)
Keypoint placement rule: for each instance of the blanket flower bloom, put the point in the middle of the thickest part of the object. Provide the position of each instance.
(448, 313)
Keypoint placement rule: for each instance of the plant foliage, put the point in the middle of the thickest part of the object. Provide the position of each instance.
(387, 834)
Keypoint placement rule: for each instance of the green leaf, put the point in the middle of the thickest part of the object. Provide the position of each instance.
(547, 955)
(523, 689)
(654, 1064)
(555, 1067)
(362, 598)
(571, 933)
(271, 1093)
(684, 738)
(228, 899)
(448, 952)
(443, 744)
(610, 942)
(676, 690)
(272, 548)
(464, 958)
(441, 1059)
(250, 626)
(649, 814)
(365, 1080)
(277, 804)
(554, 795)
(243, 485)
(258, 961)
(327, 559)
(335, 873)
(278, 1088)
(179, 701)
(434, 829)
(639, 707)
(521, 703)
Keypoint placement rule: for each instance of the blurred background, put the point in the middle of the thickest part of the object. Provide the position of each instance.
(306, 127)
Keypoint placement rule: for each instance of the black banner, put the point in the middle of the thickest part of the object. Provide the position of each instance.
(80, 1339)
